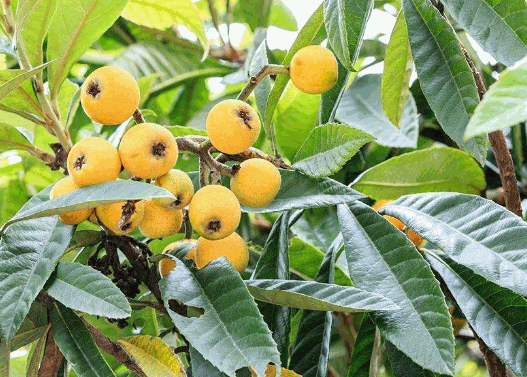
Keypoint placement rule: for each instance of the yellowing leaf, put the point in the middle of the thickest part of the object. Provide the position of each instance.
(162, 14)
(154, 356)
(270, 371)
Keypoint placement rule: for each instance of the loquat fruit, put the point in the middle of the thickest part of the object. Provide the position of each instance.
(159, 222)
(178, 183)
(214, 212)
(121, 217)
(110, 95)
(232, 247)
(174, 245)
(256, 183)
(148, 150)
(414, 237)
(165, 266)
(314, 69)
(93, 160)
(232, 126)
(65, 186)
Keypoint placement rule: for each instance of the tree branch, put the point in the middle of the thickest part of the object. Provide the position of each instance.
(253, 153)
(270, 69)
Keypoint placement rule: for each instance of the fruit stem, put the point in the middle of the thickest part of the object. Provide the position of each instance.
(253, 153)
(138, 116)
(202, 150)
(270, 69)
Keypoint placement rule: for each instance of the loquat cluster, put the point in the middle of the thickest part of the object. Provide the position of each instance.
(149, 151)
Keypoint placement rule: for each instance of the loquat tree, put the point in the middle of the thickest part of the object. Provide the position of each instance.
(213, 188)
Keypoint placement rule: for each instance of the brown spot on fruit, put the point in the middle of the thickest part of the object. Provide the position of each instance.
(79, 162)
(158, 149)
(214, 226)
(246, 117)
(94, 89)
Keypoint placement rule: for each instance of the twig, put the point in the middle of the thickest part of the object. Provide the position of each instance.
(253, 153)
(138, 116)
(114, 349)
(270, 69)
(204, 174)
(214, 16)
(7, 19)
(202, 150)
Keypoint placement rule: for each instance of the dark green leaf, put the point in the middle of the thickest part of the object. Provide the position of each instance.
(444, 74)
(87, 290)
(225, 335)
(363, 349)
(300, 191)
(403, 366)
(361, 107)
(345, 22)
(90, 197)
(497, 26)
(473, 231)
(274, 264)
(328, 147)
(496, 314)
(84, 238)
(431, 169)
(330, 100)
(397, 71)
(201, 367)
(382, 260)
(29, 252)
(76, 343)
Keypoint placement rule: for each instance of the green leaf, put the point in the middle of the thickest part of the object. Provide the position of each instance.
(253, 12)
(295, 117)
(76, 343)
(328, 147)
(330, 100)
(33, 18)
(201, 367)
(69, 100)
(18, 80)
(29, 252)
(345, 22)
(304, 38)
(504, 104)
(305, 260)
(484, 303)
(497, 26)
(431, 169)
(28, 336)
(12, 138)
(274, 264)
(91, 197)
(153, 356)
(22, 98)
(310, 353)
(76, 26)
(281, 16)
(37, 353)
(403, 366)
(85, 238)
(299, 191)
(361, 108)
(382, 260)
(444, 74)
(225, 335)
(87, 290)
(397, 71)
(4, 359)
(162, 14)
(363, 349)
(311, 295)
(476, 232)
(178, 131)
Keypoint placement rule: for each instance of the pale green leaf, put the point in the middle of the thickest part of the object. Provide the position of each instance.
(18, 80)
(22, 98)
(426, 170)
(12, 138)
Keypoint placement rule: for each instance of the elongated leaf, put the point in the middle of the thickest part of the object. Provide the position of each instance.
(504, 104)
(397, 71)
(76, 26)
(153, 356)
(310, 353)
(37, 354)
(201, 367)
(444, 74)
(83, 238)
(328, 148)
(29, 252)
(305, 260)
(22, 98)
(485, 303)
(16, 81)
(300, 191)
(473, 231)
(4, 359)
(363, 349)
(345, 22)
(403, 366)
(90, 197)
(82, 288)
(274, 264)
(33, 18)
(304, 38)
(361, 108)
(76, 343)
(28, 336)
(162, 14)
(383, 261)
(317, 296)
(432, 169)
(281, 16)
(225, 335)
(11, 139)
(330, 100)
(497, 26)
